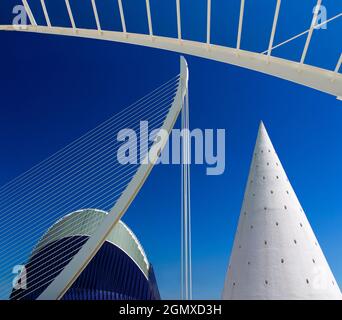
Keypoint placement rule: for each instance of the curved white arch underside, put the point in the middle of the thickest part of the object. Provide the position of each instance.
(317, 78)
(63, 281)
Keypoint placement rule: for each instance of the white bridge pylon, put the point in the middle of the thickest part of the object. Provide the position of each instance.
(64, 280)
(328, 81)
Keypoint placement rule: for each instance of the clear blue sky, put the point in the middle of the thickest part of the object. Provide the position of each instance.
(54, 89)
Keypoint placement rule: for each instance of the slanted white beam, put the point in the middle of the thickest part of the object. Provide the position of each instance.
(149, 19)
(179, 25)
(308, 39)
(29, 13)
(208, 20)
(274, 27)
(242, 9)
(122, 16)
(98, 25)
(46, 15)
(337, 72)
(338, 65)
(78, 263)
(71, 17)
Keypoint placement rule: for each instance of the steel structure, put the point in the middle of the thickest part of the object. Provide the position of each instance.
(328, 81)
(71, 272)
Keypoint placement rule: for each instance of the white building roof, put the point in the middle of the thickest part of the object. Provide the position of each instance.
(84, 222)
(275, 253)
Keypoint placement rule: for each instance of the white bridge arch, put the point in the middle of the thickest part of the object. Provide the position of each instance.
(328, 81)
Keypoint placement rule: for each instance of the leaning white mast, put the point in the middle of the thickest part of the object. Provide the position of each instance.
(70, 273)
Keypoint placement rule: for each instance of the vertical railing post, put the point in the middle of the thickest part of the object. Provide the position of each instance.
(97, 20)
(46, 15)
(242, 9)
(71, 17)
(274, 27)
(308, 39)
(122, 17)
(29, 13)
(149, 19)
(337, 70)
(208, 20)
(179, 23)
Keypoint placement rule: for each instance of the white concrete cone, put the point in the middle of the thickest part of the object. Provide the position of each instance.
(275, 253)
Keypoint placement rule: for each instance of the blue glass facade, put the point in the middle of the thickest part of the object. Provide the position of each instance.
(111, 275)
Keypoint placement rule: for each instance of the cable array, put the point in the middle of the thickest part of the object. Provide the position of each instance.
(84, 174)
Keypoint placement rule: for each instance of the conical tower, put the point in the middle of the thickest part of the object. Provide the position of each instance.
(275, 253)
